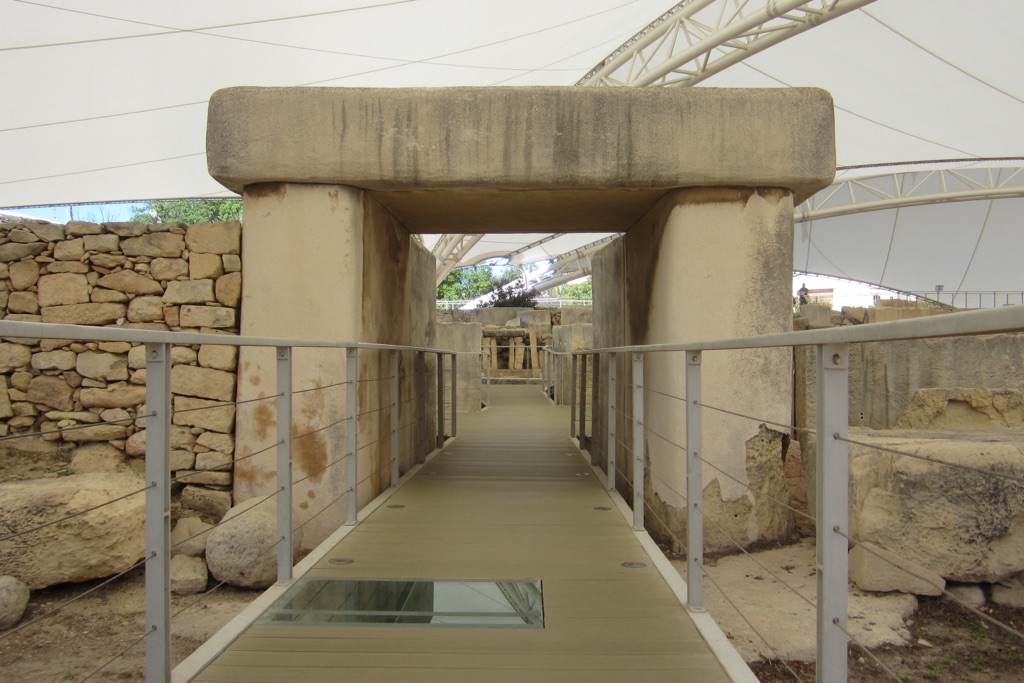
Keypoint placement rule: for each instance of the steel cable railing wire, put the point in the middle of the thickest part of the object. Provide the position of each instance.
(803, 430)
(74, 428)
(864, 648)
(325, 427)
(221, 404)
(326, 386)
(756, 492)
(177, 479)
(934, 461)
(122, 653)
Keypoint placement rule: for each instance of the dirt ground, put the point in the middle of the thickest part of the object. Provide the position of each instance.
(943, 642)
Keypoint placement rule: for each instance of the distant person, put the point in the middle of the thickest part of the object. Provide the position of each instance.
(802, 295)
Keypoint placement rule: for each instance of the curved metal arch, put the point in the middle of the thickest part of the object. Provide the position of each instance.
(693, 41)
(915, 188)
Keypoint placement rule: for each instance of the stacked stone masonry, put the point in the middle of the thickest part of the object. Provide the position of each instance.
(131, 275)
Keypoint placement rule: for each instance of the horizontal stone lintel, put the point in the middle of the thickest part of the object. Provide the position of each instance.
(638, 142)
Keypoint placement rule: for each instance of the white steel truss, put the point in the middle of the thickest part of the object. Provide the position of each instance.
(449, 252)
(911, 189)
(687, 44)
(570, 266)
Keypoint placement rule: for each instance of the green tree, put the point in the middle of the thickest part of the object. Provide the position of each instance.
(189, 211)
(574, 290)
(515, 296)
(467, 283)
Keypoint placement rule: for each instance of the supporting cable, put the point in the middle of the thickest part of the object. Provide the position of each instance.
(992, 620)
(661, 393)
(874, 658)
(222, 404)
(775, 653)
(754, 559)
(74, 514)
(935, 461)
(333, 424)
(181, 477)
(756, 492)
(326, 386)
(149, 632)
(90, 425)
(794, 428)
(115, 577)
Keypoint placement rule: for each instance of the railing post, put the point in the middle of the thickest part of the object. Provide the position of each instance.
(613, 362)
(490, 360)
(396, 403)
(694, 486)
(422, 437)
(440, 399)
(832, 511)
(639, 439)
(352, 433)
(582, 430)
(158, 513)
(284, 464)
(455, 393)
(572, 395)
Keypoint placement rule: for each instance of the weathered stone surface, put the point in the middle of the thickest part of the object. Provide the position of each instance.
(77, 416)
(98, 432)
(182, 460)
(63, 289)
(219, 357)
(1009, 592)
(77, 228)
(207, 316)
(181, 438)
(67, 267)
(224, 443)
(102, 542)
(22, 236)
(206, 501)
(204, 477)
(189, 292)
(164, 244)
(14, 595)
(70, 250)
(229, 289)
(146, 309)
(168, 268)
(127, 396)
(5, 399)
(232, 263)
(964, 409)
(109, 261)
(109, 366)
(53, 360)
(102, 243)
(84, 314)
(188, 537)
(935, 515)
(205, 266)
(115, 347)
(183, 355)
(14, 356)
(967, 594)
(51, 391)
(13, 251)
(213, 460)
(24, 274)
(237, 550)
(189, 380)
(127, 229)
(130, 282)
(107, 296)
(47, 232)
(188, 575)
(215, 238)
(97, 457)
(217, 417)
(875, 569)
(23, 302)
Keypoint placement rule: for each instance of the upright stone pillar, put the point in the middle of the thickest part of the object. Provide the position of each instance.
(302, 247)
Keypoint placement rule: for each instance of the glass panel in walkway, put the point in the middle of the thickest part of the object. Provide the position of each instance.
(510, 498)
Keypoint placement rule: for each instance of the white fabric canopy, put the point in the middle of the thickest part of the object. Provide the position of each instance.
(104, 100)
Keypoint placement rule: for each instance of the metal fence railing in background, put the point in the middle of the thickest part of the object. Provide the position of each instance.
(541, 302)
(627, 432)
(404, 379)
(964, 299)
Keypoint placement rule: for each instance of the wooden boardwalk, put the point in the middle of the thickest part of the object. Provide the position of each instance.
(511, 498)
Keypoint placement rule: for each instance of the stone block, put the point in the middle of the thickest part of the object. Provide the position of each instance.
(163, 244)
(1010, 592)
(215, 238)
(188, 537)
(143, 309)
(188, 380)
(107, 296)
(205, 501)
(181, 439)
(232, 263)
(218, 357)
(97, 457)
(189, 575)
(966, 594)
(14, 595)
(204, 477)
(237, 549)
(109, 261)
(99, 432)
(130, 282)
(13, 251)
(127, 396)
(22, 236)
(204, 266)
(108, 540)
(70, 250)
(229, 289)
(52, 391)
(79, 228)
(216, 417)
(47, 232)
(102, 243)
(168, 268)
(127, 229)
(23, 302)
(207, 316)
(5, 400)
(84, 314)
(223, 443)
(964, 409)
(189, 292)
(875, 569)
(212, 460)
(24, 274)
(67, 267)
(109, 366)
